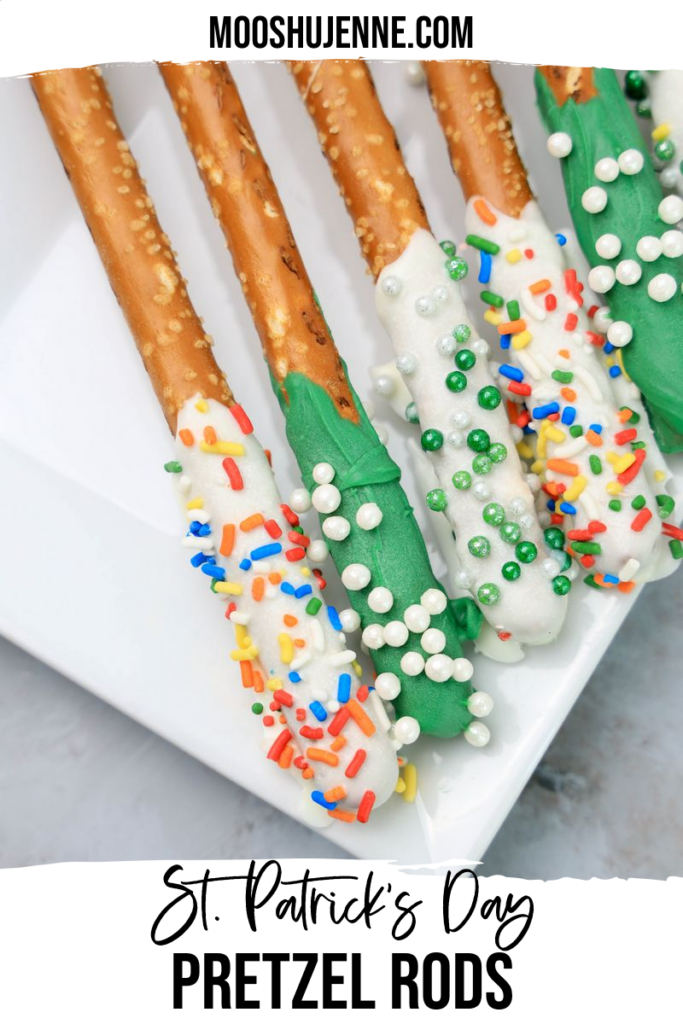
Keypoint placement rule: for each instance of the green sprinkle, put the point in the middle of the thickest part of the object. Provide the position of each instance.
(563, 376)
(478, 440)
(477, 242)
(513, 309)
(511, 571)
(665, 505)
(595, 464)
(590, 581)
(411, 413)
(637, 444)
(465, 359)
(676, 549)
(257, 709)
(482, 465)
(457, 268)
(436, 500)
(554, 537)
(566, 562)
(462, 481)
(614, 505)
(638, 502)
(173, 467)
(432, 440)
(576, 430)
(489, 397)
(492, 299)
(314, 606)
(587, 547)
(526, 552)
(456, 381)
(448, 247)
(665, 150)
(297, 529)
(643, 108)
(462, 333)
(634, 417)
(497, 452)
(635, 85)
(488, 593)
(493, 514)
(479, 547)
(562, 585)
(510, 532)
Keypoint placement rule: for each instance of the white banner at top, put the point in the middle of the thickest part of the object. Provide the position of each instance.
(37, 35)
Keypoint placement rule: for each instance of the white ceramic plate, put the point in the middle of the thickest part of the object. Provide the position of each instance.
(92, 577)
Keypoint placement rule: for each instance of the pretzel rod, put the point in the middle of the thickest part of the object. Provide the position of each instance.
(375, 540)
(613, 191)
(551, 352)
(464, 424)
(379, 193)
(249, 545)
(136, 253)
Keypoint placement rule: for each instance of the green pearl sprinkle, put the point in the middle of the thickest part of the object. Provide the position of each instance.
(462, 480)
(497, 452)
(448, 247)
(635, 85)
(510, 532)
(478, 440)
(493, 514)
(456, 381)
(554, 538)
(643, 109)
(437, 500)
(462, 333)
(411, 413)
(465, 359)
(614, 505)
(482, 465)
(173, 467)
(511, 571)
(665, 150)
(526, 552)
(457, 268)
(479, 547)
(489, 397)
(257, 709)
(488, 593)
(566, 561)
(562, 585)
(432, 440)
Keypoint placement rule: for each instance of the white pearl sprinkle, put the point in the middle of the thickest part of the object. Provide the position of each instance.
(441, 293)
(317, 551)
(407, 363)
(649, 248)
(628, 272)
(672, 244)
(608, 247)
(594, 199)
(662, 288)
(480, 704)
(373, 637)
(433, 641)
(323, 473)
(350, 620)
(480, 347)
(414, 73)
(412, 663)
(601, 279)
(463, 670)
(517, 506)
(619, 333)
(407, 729)
(384, 385)
(434, 601)
(461, 419)
(670, 210)
(369, 516)
(380, 600)
(559, 144)
(425, 305)
(391, 285)
(668, 177)
(481, 490)
(337, 528)
(446, 344)
(607, 169)
(356, 576)
(455, 438)
(396, 633)
(439, 668)
(388, 685)
(477, 734)
(463, 579)
(326, 498)
(631, 161)
(602, 319)
(300, 500)
(550, 568)
(416, 618)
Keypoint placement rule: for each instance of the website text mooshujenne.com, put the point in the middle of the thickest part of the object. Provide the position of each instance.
(340, 32)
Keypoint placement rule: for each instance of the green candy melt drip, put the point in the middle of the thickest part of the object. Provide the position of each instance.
(604, 127)
(394, 552)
